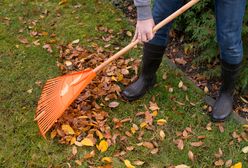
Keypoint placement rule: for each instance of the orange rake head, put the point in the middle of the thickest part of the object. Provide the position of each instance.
(57, 95)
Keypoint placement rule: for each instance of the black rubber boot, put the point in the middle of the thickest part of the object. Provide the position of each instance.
(223, 106)
(152, 57)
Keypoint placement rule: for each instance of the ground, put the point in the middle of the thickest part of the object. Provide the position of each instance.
(24, 65)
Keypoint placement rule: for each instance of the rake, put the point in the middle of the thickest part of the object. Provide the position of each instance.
(60, 92)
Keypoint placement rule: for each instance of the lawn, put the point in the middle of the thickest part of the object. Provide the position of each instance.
(25, 66)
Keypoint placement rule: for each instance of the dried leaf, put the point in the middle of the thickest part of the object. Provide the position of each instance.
(103, 146)
(219, 162)
(245, 149)
(75, 41)
(206, 90)
(87, 142)
(138, 163)
(180, 61)
(148, 145)
(182, 166)
(53, 134)
(107, 159)
(161, 122)
(228, 163)
(128, 164)
(153, 106)
(74, 150)
(180, 84)
(237, 165)
(162, 134)
(67, 129)
(23, 40)
(191, 156)
(197, 144)
(113, 104)
(154, 151)
(62, 2)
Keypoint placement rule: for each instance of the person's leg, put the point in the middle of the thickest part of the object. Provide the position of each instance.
(229, 19)
(153, 51)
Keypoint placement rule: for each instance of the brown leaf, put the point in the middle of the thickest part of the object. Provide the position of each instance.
(148, 145)
(228, 163)
(113, 104)
(180, 61)
(208, 127)
(162, 135)
(23, 40)
(219, 162)
(219, 154)
(191, 156)
(153, 106)
(138, 163)
(74, 150)
(197, 144)
(154, 151)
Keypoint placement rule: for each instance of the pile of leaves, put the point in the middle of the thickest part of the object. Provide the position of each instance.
(85, 122)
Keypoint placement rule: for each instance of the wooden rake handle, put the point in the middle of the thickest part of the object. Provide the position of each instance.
(155, 29)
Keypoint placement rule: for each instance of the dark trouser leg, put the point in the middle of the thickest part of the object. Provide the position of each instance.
(153, 51)
(229, 18)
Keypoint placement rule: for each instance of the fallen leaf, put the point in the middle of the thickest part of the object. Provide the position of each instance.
(107, 159)
(74, 150)
(75, 41)
(143, 125)
(138, 163)
(219, 162)
(78, 162)
(161, 134)
(237, 165)
(208, 127)
(180, 84)
(191, 156)
(153, 106)
(103, 146)
(182, 166)
(245, 149)
(206, 90)
(62, 2)
(90, 155)
(228, 163)
(67, 129)
(53, 134)
(197, 144)
(23, 40)
(48, 48)
(128, 164)
(161, 122)
(129, 34)
(113, 104)
(87, 142)
(165, 76)
(180, 61)
(154, 151)
(148, 145)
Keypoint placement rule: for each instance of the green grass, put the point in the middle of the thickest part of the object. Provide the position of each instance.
(21, 67)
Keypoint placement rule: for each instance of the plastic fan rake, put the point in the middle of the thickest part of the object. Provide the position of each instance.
(60, 92)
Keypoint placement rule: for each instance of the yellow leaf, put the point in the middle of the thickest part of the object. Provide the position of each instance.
(73, 140)
(161, 122)
(143, 124)
(87, 142)
(120, 77)
(155, 113)
(67, 129)
(63, 2)
(107, 159)
(103, 146)
(99, 134)
(128, 164)
(237, 165)
(53, 134)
